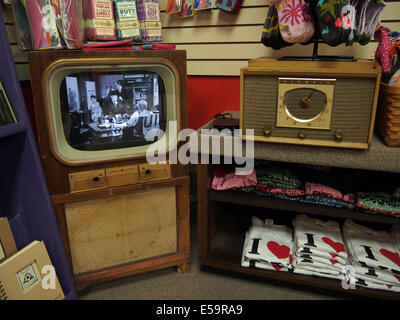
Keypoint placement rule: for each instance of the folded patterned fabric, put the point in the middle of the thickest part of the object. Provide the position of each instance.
(324, 191)
(378, 202)
(233, 181)
(278, 177)
(277, 196)
(330, 202)
(282, 191)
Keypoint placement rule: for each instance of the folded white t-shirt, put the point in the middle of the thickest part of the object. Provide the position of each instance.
(270, 243)
(372, 248)
(320, 235)
(246, 262)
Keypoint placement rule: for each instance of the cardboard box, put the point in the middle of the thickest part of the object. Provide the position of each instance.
(7, 242)
(29, 275)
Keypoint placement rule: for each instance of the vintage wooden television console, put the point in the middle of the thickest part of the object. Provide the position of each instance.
(319, 103)
(118, 215)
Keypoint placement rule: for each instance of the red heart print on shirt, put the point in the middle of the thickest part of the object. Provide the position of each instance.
(281, 252)
(277, 267)
(337, 246)
(392, 256)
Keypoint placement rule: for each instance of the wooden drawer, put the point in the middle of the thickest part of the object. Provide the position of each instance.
(150, 172)
(120, 176)
(87, 180)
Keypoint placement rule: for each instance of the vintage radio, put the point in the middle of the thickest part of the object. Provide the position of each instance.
(317, 103)
(117, 213)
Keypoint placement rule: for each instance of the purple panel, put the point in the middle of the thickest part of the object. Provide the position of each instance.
(24, 196)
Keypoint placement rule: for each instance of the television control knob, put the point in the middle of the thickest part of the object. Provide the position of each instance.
(339, 135)
(302, 135)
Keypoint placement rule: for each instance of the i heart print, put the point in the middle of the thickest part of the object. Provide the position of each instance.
(374, 248)
(319, 235)
(271, 243)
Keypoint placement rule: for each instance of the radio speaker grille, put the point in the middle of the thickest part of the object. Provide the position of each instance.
(106, 232)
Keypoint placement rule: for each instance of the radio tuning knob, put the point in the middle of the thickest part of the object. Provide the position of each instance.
(302, 135)
(339, 135)
(267, 131)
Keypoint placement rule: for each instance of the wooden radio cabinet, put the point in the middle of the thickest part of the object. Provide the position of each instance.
(317, 103)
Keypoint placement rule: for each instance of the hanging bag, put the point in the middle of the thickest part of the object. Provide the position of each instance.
(334, 18)
(271, 36)
(295, 20)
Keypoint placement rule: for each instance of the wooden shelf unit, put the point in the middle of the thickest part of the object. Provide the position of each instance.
(225, 216)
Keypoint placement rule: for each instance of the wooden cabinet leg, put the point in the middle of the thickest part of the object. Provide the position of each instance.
(183, 268)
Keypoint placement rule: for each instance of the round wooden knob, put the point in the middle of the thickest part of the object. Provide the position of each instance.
(267, 131)
(302, 135)
(339, 135)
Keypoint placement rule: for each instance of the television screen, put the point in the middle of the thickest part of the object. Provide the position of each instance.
(104, 110)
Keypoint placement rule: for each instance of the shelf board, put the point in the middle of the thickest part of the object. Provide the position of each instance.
(378, 157)
(253, 200)
(224, 255)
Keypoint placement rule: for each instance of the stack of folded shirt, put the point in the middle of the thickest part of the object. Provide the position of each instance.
(323, 195)
(225, 178)
(268, 246)
(373, 256)
(318, 248)
(280, 183)
(378, 203)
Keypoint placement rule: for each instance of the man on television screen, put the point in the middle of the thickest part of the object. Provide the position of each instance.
(112, 105)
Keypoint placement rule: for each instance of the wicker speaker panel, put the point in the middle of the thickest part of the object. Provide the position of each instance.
(110, 231)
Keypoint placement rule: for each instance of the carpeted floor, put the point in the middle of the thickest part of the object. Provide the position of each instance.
(201, 284)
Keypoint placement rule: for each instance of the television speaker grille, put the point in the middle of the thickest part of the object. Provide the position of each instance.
(106, 232)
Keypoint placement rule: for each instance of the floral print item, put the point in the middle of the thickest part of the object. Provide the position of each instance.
(295, 20)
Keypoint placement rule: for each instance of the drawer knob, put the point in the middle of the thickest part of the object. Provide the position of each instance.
(96, 179)
(302, 135)
(339, 135)
(147, 172)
